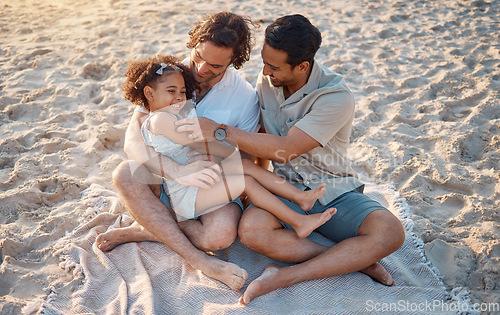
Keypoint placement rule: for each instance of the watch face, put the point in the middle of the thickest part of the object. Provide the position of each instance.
(220, 134)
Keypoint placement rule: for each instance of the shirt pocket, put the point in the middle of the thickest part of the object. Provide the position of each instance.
(261, 105)
(272, 121)
(289, 124)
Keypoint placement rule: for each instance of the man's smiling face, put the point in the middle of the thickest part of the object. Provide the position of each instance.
(209, 61)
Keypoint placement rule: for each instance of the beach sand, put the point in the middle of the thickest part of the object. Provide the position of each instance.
(425, 75)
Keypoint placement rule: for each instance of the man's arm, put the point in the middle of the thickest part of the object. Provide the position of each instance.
(199, 173)
(264, 163)
(280, 149)
(266, 146)
(329, 114)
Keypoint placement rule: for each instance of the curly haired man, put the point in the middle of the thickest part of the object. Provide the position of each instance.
(218, 41)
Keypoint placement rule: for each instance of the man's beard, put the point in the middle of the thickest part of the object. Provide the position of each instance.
(202, 80)
(276, 83)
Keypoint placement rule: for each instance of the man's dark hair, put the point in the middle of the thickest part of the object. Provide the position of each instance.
(225, 29)
(296, 36)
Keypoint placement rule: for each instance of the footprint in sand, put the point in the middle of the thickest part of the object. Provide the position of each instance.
(95, 71)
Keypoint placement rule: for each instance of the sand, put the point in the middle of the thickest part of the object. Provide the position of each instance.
(425, 74)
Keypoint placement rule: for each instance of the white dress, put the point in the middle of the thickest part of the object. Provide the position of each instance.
(182, 198)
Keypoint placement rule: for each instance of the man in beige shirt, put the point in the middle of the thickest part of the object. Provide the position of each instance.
(307, 112)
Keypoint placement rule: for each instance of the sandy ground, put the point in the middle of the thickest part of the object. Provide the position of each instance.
(426, 77)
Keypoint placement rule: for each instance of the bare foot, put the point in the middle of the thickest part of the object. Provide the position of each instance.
(311, 222)
(265, 283)
(307, 198)
(378, 273)
(228, 273)
(114, 237)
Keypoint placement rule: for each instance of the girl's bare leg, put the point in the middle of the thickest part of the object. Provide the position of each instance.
(263, 198)
(282, 188)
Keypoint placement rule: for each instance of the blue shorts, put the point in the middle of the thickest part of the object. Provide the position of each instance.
(166, 200)
(352, 208)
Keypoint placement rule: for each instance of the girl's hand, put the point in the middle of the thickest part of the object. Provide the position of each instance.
(200, 173)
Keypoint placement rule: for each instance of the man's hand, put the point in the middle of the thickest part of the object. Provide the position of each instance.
(199, 129)
(199, 172)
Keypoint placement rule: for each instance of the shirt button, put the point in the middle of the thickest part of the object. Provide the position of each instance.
(296, 167)
(306, 182)
(283, 129)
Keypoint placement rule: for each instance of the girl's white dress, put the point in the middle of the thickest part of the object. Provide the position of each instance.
(182, 198)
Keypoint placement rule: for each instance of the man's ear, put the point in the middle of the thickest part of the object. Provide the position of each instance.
(304, 66)
(148, 92)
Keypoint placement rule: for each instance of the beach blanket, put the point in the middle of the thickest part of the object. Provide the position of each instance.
(149, 278)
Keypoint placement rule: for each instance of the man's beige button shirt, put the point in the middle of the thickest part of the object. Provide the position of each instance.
(324, 109)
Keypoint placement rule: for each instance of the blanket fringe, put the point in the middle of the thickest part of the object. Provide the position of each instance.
(403, 209)
(458, 295)
(62, 249)
(99, 199)
(42, 305)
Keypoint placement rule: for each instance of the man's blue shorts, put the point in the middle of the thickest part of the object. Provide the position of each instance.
(352, 208)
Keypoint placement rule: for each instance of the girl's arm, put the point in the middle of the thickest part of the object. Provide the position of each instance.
(164, 124)
(201, 173)
(135, 148)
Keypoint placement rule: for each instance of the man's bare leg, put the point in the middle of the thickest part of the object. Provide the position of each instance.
(215, 230)
(150, 213)
(211, 232)
(114, 237)
(379, 235)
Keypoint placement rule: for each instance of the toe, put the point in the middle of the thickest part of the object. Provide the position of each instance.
(99, 240)
(242, 300)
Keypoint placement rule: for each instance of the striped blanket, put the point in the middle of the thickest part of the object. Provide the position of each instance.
(149, 278)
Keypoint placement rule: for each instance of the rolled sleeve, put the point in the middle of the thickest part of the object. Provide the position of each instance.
(328, 115)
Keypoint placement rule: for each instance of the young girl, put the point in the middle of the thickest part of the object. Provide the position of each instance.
(160, 86)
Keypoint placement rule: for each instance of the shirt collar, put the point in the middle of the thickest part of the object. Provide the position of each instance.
(314, 79)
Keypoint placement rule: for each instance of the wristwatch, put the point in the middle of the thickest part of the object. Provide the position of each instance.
(220, 134)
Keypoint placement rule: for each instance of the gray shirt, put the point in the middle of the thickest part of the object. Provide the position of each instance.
(324, 109)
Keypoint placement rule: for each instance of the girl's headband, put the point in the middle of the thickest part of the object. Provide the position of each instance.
(168, 67)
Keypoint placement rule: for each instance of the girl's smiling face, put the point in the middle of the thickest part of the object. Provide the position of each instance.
(169, 94)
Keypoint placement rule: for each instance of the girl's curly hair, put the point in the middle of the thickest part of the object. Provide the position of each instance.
(225, 29)
(142, 73)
